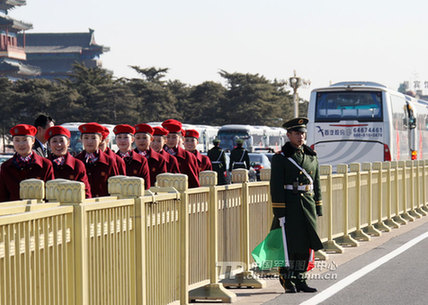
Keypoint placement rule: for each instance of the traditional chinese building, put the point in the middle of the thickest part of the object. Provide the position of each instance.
(12, 53)
(55, 53)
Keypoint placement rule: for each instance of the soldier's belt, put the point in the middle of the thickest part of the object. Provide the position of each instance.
(305, 187)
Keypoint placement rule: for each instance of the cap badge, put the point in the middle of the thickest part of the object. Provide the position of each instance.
(300, 121)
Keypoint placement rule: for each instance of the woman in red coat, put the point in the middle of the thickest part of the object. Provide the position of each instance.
(143, 138)
(64, 164)
(186, 160)
(191, 137)
(99, 166)
(136, 165)
(24, 164)
(121, 166)
(157, 145)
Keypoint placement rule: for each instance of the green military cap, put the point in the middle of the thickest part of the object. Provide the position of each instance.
(239, 141)
(297, 124)
(216, 141)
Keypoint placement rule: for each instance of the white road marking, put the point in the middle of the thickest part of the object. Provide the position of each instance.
(335, 288)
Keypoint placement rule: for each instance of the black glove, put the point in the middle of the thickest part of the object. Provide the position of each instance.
(319, 210)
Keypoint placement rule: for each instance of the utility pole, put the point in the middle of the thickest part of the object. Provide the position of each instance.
(295, 82)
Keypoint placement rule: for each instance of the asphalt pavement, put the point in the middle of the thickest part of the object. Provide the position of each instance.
(393, 272)
(367, 274)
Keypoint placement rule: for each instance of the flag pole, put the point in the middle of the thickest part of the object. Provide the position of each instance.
(284, 241)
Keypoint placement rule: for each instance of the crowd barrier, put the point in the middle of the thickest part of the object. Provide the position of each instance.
(172, 244)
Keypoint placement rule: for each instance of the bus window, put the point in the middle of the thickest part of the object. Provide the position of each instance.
(362, 106)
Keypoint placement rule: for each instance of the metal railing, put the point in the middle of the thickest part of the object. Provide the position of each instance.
(172, 244)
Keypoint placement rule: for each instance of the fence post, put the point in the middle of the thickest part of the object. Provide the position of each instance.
(377, 166)
(52, 192)
(265, 174)
(359, 234)
(389, 221)
(32, 189)
(245, 278)
(214, 290)
(424, 184)
(419, 200)
(412, 211)
(397, 218)
(73, 193)
(133, 187)
(405, 214)
(114, 185)
(371, 230)
(330, 245)
(180, 183)
(346, 239)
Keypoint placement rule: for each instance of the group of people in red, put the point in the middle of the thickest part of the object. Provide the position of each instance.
(157, 150)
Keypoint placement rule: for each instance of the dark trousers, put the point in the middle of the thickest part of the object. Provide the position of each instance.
(298, 266)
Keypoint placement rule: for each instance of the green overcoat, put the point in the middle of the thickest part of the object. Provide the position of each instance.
(239, 156)
(218, 161)
(299, 208)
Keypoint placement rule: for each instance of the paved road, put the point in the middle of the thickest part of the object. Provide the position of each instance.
(400, 280)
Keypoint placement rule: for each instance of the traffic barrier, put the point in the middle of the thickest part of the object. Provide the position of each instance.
(172, 244)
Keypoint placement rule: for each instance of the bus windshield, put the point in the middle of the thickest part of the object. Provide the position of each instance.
(75, 143)
(362, 106)
(228, 138)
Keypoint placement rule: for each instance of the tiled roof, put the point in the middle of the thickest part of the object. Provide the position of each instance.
(60, 42)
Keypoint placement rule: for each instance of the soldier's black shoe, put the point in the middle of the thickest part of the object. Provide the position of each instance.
(302, 286)
(287, 285)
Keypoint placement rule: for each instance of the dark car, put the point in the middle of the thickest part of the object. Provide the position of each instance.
(257, 162)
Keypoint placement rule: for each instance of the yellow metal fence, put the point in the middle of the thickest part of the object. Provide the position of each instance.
(172, 244)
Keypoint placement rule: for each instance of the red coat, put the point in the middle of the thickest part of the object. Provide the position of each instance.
(188, 165)
(72, 169)
(204, 162)
(99, 172)
(171, 162)
(137, 166)
(11, 175)
(157, 165)
(119, 161)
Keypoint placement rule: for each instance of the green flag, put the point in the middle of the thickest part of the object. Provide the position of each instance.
(270, 252)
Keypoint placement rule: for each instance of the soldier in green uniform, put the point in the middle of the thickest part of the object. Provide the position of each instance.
(239, 156)
(218, 161)
(296, 195)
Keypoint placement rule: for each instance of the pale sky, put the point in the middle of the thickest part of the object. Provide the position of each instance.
(325, 41)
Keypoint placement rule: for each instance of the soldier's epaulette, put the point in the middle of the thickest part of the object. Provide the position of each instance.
(308, 150)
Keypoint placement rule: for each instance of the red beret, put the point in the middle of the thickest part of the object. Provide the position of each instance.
(92, 128)
(57, 131)
(123, 128)
(173, 126)
(172, 122)
(23, 130)
(144, 128)
(105, 132)
(191, 133)
(159, 131)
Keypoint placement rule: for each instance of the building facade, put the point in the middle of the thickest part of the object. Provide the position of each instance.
(55, 53)
(12, 53)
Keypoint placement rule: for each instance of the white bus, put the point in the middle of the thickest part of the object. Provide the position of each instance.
(255, 138)
(75, 141)
(366, 122)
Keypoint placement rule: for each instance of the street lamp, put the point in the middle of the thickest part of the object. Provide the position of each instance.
(295, 82)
